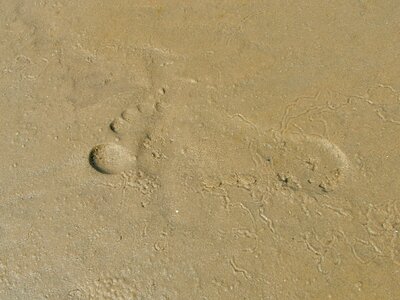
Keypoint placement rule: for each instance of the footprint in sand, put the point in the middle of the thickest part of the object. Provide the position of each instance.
(133, 128)
(218, 145)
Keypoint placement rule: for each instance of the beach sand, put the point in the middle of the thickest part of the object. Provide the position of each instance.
(199, 149)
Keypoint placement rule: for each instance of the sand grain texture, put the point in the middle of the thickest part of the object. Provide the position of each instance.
(199, 149)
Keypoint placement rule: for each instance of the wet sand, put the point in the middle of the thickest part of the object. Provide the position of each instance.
(199, 149)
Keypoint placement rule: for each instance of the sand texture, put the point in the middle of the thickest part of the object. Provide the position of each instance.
(199, 149)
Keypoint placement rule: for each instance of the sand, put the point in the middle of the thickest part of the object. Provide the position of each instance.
(199, 149)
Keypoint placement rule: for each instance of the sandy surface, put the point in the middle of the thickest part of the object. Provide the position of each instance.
(199, 149)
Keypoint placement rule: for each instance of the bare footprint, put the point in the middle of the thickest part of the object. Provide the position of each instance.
(133, 129)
